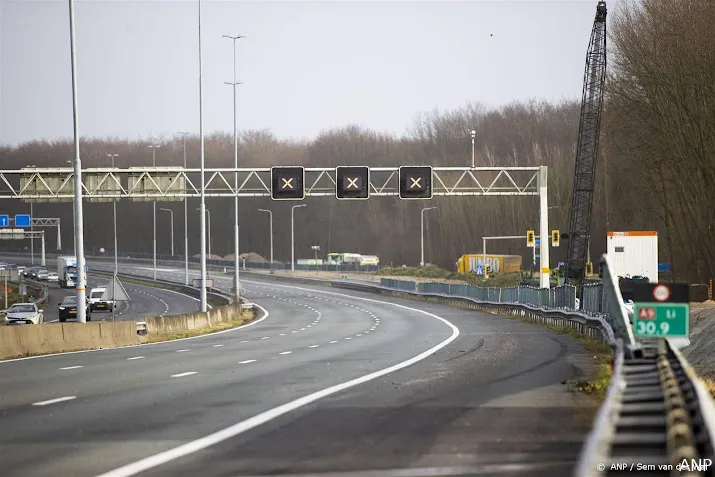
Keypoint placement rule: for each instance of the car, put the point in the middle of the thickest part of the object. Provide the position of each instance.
(26, 313)
(52, 277)
(42, 275)
(96, 302)
(68, 308)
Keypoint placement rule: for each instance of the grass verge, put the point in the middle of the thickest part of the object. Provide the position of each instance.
(430, 271)
(247, 317)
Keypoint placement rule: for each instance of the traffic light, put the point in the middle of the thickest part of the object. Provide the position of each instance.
(487, 269)
(530, 238)
(555, 238)
(415, 182)
(589, 268)
(352, 182)
(287, 183)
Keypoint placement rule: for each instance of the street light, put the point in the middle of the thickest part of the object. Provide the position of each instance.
(172, 229)
(202, 221)
(474, 134)
(153, 163)
(78, 226)
(316, 249)
(422, 235)
(32, 237)
(270, 231)
(208, 214)
(233, 84)
(114, 210)
(186, 223)
(292, 235)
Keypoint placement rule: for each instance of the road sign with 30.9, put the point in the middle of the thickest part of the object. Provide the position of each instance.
(661, 320)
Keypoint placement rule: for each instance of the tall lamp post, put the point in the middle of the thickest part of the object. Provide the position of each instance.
(270, 231)
(114, 214)
(78, 226)
(233, 84)
(292, 235)
(422, 235)
(202, 220)
(186, 223)
(172, 229)
(208, 228)
(153, 163)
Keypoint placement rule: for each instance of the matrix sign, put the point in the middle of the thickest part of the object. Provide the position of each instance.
(287, 183)
(352, 182)
(661, 310)
(415, 182)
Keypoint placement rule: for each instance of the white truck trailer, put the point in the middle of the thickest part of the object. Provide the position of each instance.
(634, 253)
(67, 271)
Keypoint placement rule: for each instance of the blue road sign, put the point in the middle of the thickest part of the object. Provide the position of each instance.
(538, 241)
(4, 220)
(480, 270)
(664, 267)
(22, 220)
(538, 255)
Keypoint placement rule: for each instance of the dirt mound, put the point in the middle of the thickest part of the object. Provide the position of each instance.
(250, 257)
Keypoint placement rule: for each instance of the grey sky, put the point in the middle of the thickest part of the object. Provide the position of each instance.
(306, 66)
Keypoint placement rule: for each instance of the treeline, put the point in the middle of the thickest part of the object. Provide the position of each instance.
(655, 170)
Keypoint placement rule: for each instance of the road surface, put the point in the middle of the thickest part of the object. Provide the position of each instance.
(481, 391)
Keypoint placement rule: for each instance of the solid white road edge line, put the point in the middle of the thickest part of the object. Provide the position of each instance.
(181, 375)
(266, 314)
(269, 415)
(53, 401)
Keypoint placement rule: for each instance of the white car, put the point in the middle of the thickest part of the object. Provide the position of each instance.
(52, 277)
(96, 302)
(27, 313)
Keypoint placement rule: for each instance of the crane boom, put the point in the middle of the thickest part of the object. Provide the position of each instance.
(586, 152)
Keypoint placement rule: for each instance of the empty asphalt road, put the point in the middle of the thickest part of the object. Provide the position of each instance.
(418, 385)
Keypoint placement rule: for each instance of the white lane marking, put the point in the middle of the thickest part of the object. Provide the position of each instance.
(359, 334)
(282, 334)
(182, 350)
(245, 341)
(135, 357)
(217, 346)
(294, 331)
(53, 401)
(72, 367)
(313, 346)
(348, 338)
(247, 361)
(181, 375)
(334, 341)
(266, 416)
(302, 329)
(286, 352)
(266, 314)
(266, 337)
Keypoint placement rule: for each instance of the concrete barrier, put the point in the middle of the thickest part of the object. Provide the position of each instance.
(27, 340)
(158, 325)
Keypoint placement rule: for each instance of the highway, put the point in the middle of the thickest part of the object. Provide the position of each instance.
(423, 386)
(145, 301)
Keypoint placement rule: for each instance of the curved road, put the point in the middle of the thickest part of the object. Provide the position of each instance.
(145, 301)
(485, 394)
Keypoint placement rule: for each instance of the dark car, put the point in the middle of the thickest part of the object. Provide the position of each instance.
(68, 309)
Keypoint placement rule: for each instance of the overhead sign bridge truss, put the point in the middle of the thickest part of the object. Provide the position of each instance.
(166, 184)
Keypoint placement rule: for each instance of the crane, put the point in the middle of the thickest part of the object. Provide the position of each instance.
(584, 180)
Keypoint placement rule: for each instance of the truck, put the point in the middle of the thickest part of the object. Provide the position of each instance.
(67, 271)
(634, 254)
(366, 260)
(335, 258)
(469, 263)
